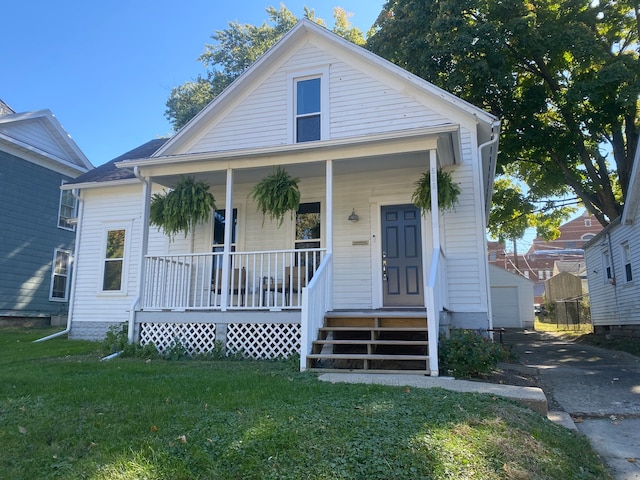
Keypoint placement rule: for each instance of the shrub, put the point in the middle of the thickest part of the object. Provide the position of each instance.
(116, 340)
(467, 354)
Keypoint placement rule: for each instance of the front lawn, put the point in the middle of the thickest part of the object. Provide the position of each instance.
(65, 414)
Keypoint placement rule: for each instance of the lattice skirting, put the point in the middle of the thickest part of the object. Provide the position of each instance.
(196, 338)
(263, 340)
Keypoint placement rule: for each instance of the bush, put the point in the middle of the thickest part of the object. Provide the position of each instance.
(467, 354)
(116, 340)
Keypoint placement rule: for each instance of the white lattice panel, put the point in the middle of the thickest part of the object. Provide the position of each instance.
(263, 340)
(195, 337)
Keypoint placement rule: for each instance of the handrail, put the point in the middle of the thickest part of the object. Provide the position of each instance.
(316, 301)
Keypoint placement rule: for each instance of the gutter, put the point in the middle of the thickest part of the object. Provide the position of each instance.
(72, 293)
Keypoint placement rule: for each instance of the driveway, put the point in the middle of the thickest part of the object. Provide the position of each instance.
(599, 388)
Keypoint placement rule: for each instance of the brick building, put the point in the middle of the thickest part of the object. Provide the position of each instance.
(545, 259)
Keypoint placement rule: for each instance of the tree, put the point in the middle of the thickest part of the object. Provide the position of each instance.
(563, 75)
(234, 50)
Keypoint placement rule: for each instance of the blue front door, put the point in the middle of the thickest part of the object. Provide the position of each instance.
(401, 256)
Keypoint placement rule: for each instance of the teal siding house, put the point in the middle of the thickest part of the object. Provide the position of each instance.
(37, 233)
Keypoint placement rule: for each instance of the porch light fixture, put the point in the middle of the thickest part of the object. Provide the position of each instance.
(354, 216)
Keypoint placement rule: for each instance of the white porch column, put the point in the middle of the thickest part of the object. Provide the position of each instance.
(330, 216)
(435, 208)
(329, 202)
(433, 320)
(228, 230)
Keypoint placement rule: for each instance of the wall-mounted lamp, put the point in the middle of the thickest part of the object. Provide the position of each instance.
(354, 216)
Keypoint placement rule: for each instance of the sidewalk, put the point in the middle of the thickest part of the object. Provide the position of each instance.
(599, 388)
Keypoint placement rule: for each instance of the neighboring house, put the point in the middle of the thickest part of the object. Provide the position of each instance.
(511, 299)
(358, 131)
(612, 258)
(37, 235)
(548, 258)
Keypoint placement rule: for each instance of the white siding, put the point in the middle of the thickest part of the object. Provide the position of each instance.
(617, 304)
(359, 104)
(103, 208)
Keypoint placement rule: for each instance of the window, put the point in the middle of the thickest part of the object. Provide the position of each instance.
(307, 110)
(540, 274)
(114, 261)
(67, 210)
(493, 256)
(219, 223)
(606, 266)
(626, 259)
(587, 222)
(308, 231)
(60, 276)
(526, 274)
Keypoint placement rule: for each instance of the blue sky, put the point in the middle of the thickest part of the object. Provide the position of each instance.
(105, 69)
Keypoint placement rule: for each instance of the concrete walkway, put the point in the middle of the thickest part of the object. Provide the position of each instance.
(588, 389)
(598, 388)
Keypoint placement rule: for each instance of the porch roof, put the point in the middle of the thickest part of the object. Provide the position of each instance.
(445, 139)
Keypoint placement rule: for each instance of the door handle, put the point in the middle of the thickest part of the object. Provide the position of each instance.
(384, 266)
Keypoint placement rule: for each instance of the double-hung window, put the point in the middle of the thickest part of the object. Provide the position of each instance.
(606, 266)
(60, 276)
(626, 260)
(67, 210)
(308, 123)
(114, 260)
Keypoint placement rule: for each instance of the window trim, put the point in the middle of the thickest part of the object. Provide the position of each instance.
(322, 73)
(626, 261)
(63, 222)
(607, 268)
(68, 275)
(125, 258)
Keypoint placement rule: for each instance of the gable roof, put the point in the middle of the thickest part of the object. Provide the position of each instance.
(38, 137)
(109, 172)
(303, 31)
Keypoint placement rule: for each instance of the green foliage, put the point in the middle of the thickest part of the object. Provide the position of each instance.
(234, 50)
(116, 340)
(448, 192)
(277, 194)
(182, 207)
(67, 415)
(563, 77)
(467, 354)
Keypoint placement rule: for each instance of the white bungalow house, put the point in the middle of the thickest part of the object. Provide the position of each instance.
(369, 278)
(612, 258)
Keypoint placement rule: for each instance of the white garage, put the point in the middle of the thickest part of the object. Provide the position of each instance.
(511, 299)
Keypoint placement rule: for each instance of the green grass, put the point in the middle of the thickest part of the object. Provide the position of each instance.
(65, 414)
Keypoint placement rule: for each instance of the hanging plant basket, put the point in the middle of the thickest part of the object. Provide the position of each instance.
(277, 194)
(448, 192)
(182, 207)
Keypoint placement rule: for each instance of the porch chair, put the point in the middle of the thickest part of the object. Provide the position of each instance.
(296, 280)
(236, 283)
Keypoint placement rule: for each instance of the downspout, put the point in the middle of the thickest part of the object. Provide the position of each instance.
(493, 140)
(72, 293)
(146, 194)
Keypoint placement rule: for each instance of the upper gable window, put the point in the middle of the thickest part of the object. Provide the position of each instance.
(308, 109)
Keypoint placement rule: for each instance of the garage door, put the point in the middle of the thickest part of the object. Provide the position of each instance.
(505, 307)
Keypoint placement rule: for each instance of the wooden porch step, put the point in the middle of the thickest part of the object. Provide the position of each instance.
(365, 356)
(417, 343)
(373, 329)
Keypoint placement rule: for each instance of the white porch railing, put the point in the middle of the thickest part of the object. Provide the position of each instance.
(265, 280)
(317, 300)
(437, 300)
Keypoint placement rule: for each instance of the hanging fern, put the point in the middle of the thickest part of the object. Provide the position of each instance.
(277, 194)
(448, 192)
(182, 207)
